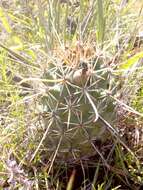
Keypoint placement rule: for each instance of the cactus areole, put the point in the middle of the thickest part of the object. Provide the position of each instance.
(73, 108)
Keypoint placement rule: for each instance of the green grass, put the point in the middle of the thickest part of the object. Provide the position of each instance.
(34, 34)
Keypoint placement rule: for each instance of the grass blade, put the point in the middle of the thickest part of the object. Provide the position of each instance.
(5, 21)
(100, 22)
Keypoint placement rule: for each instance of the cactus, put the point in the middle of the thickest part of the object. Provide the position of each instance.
(74, 107)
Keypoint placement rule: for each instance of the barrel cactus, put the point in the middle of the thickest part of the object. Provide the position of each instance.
(73, 106)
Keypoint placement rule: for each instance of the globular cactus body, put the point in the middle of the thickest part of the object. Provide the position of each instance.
(73, 109)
